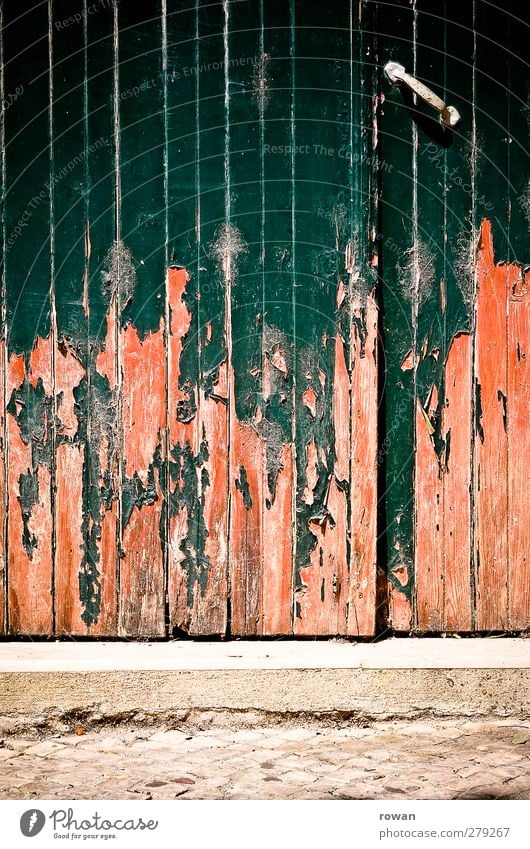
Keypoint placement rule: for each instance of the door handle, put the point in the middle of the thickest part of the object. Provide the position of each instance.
(396, 73)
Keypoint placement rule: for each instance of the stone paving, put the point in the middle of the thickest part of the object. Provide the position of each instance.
(431, 759)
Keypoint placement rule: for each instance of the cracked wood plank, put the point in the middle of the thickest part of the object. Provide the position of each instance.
(3, 354)
(86, 313)
(456, 480)
(143, 422)
(271, 413)
(518, 385)
(3, 479)
(362, 603)
(141, 272)
(260, 531)
(68, 247)
(29, 388)
(491, 444)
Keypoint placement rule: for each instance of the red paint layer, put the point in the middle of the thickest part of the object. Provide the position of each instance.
(29, 576)
(491, 444)
(141, 611)
(518, 450)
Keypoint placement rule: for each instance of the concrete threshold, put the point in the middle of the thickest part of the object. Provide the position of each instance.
(392, 678)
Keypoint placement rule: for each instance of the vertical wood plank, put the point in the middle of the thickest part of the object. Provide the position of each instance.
(29, 388)
(322, 217)
(242, 256)
(3, 352)
(198, 380)
(141, 355)
(428, 493)
(69, 188)
(518, 450)
(182, 311)
(212, 193)
(456, 432)
(361, 266)
(429, 284)
(182, 429)
(27, 282)
(457, 295)
(396, 452)
(496, 214)
(143, 411)
(214, 313)
(518, 326)
(272, 92)
(491, 448)
(98, 578)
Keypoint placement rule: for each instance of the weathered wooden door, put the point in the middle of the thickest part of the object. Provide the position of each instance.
(455, 304)
(255, 337)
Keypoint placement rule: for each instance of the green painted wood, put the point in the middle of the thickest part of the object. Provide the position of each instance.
(244, 162)
(396, 453)
(28, 308)
(141, 129)
(248, 143)
(276, 75)
(4, 605)
(443, 259)
(69, 182)
(322, 221)
(69, 188)
(99, 397)
(27, 176)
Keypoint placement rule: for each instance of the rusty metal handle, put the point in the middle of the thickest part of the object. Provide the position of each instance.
(396, 73)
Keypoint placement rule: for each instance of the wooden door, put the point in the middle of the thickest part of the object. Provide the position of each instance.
(264, 323)
(455, 321)
(190, 323)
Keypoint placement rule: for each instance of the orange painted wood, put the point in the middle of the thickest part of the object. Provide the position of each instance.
(429, 521)
(69, 496)
(261, 570)
(180, 434)
(456, 538)
(29, 574)
(3, 493)
(107, 366)
(247, 465)
(491, 444)
(363, 475)
(277, 582)
(212, 605)
(141, 604)
(323, 601)
(206, 438)
(518, 448)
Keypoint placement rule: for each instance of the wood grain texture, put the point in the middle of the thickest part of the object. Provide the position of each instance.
(144, 413)
(491, 446)
(3, 487)
(69, 479)
(429, 521)
(30, 566)
(457, 517)
(518, 450)
(362, 601)
(68, 218)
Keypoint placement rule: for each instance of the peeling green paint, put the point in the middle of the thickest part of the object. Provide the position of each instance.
(242, 487)
(28, 486)
(185, 494)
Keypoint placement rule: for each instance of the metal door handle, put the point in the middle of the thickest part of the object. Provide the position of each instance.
(396, 73)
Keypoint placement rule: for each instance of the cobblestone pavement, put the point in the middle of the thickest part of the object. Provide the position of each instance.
(432, 759)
